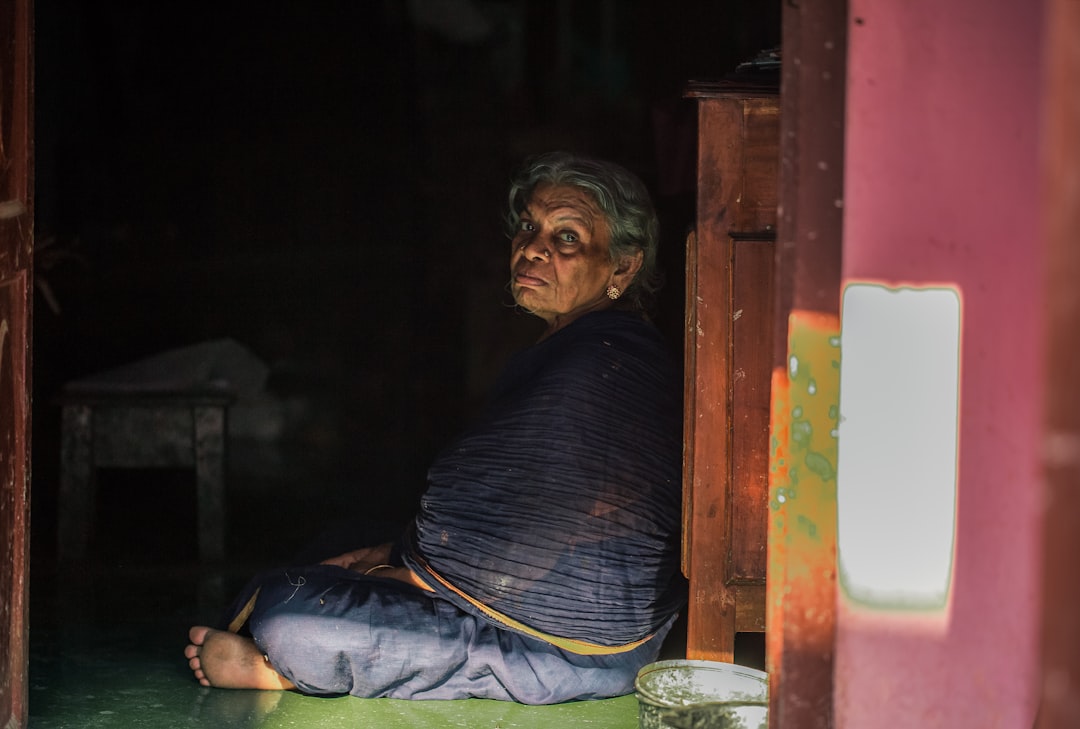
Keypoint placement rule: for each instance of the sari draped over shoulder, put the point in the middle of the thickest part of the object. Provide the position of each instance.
(558, 513)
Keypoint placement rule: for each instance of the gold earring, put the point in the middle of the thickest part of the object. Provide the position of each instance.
(613, 292)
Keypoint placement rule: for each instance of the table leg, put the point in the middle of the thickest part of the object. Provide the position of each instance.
(77, 483)
(210, 480)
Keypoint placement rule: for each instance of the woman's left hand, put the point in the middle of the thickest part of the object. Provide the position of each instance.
(361, 560)
(366, 561)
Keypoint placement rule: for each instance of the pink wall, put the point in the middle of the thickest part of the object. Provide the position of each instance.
(942, 187)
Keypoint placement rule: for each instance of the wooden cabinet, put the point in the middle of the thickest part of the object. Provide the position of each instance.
(729, 355)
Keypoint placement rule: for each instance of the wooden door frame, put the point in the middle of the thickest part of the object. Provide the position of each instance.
(1060, 628)
(16, 292)
(801, 579)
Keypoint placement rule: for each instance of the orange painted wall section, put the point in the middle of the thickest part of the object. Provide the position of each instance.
(941, 188)
(802, 519)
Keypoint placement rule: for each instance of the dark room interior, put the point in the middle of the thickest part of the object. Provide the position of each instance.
(323, 184)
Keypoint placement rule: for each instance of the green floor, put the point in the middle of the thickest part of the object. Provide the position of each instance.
(107, 639)
(106, 651)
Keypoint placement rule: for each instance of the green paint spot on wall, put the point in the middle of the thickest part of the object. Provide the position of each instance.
(821, 465)
(801, 432)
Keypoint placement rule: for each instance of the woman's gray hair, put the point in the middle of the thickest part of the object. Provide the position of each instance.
(622, 198)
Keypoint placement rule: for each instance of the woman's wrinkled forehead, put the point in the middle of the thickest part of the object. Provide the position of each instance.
(564, 202)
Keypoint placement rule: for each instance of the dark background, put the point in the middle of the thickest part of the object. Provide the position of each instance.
(323, 182)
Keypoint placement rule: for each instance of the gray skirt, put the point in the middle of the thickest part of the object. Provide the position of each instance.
(332, 631)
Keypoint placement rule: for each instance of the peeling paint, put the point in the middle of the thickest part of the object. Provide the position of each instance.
(802, 478)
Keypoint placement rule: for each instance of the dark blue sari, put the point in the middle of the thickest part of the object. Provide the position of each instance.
(560, 509)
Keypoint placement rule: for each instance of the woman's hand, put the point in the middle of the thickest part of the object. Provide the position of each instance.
(366, 560)
(362, 560)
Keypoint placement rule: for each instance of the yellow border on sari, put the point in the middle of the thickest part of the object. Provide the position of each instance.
(580, 647)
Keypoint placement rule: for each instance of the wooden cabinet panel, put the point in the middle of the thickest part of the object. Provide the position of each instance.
(751, 347)
(728, 355)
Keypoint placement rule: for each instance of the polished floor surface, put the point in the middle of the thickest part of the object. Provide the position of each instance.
(106, 652)
(107, 635)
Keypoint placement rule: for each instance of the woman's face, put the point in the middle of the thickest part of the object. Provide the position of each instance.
(560, 264)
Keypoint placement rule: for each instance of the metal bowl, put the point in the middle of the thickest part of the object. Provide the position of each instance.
(686, 694)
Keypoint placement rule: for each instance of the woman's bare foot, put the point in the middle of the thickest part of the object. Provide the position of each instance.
(226, 660)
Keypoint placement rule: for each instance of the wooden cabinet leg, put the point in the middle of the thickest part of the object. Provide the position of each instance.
(711, 622)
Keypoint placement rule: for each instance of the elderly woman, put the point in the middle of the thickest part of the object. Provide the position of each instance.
(543, 563)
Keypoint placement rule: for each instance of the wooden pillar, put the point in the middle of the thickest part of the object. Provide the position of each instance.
(16, 292)
(801, 584)
(1060, 701)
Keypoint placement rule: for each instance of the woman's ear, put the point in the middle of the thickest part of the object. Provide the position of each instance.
(626, 269)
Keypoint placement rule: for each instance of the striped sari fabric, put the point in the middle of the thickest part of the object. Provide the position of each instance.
(558, 513)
